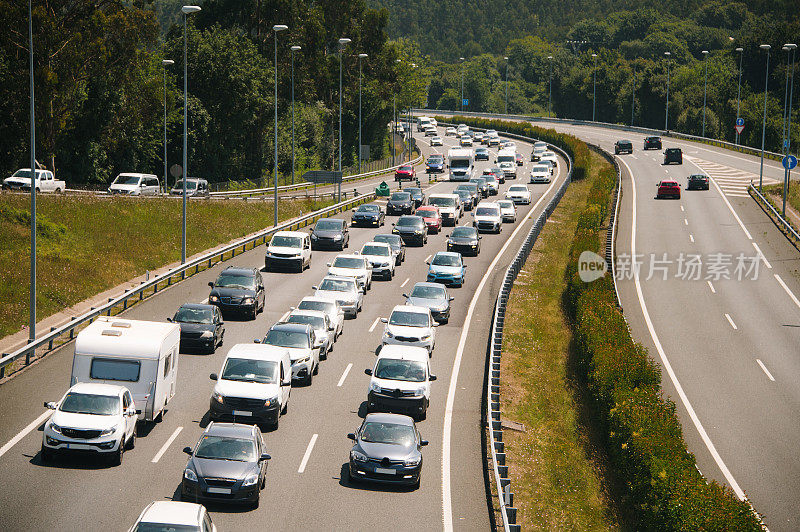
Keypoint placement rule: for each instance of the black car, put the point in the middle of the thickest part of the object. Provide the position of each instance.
(466, 198)
(481, 154)
(464, 240)
(202, 327)
(368, 214)
(497, 171)
(386, 448)
(697, 182)
(623, 146)
(400, 203)
(411, 229)
(238, 290)
(398, 246)
(472, 188)
(435, 164)
(228, 464)
(482, 185)
(417, 195)
(330, 233)
(673, 155)
(652, 143)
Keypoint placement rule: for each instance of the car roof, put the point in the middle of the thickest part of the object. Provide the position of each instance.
(96, 388)
(293, 327)
(172, 512)
(404, 352)
(290, 233)
(257, 352)
(197, 306)
(448, 254)
(384, 417)
(232, 430)
(240, 271)
(411, 308)
(307, 312)
(348, 256)
(373, 243)
(518, 187)
(314, 299)
(484, 204)
(339, 278)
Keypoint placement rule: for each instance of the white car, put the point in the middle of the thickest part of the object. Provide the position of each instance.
(344, 290)
(324, 334)
(93, 417)
(436, 141)
(466, 140)
(540, 173)
(487, 217)
(354, 266)
(508, 210)
(494, 140)
(253, 386)
(174, 515)
(382, 258)
(410, 326)
(450, 132)
(45, 182)
(549, 156)
(400, 381)
(288, 249)
(331, 308)
(538, 149)
(509, 169)
(132, 184)
(519, 194)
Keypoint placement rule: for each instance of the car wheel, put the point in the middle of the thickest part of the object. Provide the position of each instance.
(257, 500)
(116, 458)
(323, 356)
(255, 313)
(132, 440)
(310, 378)
(285, 408)
(274, 426)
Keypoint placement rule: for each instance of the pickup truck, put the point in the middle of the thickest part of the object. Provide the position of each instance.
(45, 182)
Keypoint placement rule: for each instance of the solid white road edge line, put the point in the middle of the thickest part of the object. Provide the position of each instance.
(730, 320)
(166, 445)
(405, 282)
(665, 361)
(766, 262)
(777, 278)
(308, 453)
(711, 286)
(344, 375)
(24, 432)
(447, 503)
(765, 370)
(374, 324)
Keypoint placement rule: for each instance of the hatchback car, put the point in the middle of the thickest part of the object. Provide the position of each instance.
(481, 154)
(432, 296)
(410, 326)
(387, 448)
(697, 182)
(401, 381)
(412, 229)
(487, 217)
(668, 189)
(228, 464)
(435, 164)
(330, 233)
(381, 257)
(417, 195)
(432, 218)
(436, 140)
(448, 268)
(673, 155)
(464, 240)
(519, 194)
(540, 173)
(405, 172)
(368, 215)
(331, 308)
(202, 327)
(238, 290)
(354, 266)
(652, 143)
(623, 146)
(466, 198)
(343, 290)
(508, 211)
(498, 172)
(166, 516)
(324, 330)
(400, 203)
(398, 246)
(304, 349)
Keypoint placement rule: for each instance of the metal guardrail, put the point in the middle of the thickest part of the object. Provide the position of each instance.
(611, 232)
(782, 223)
(154, 285)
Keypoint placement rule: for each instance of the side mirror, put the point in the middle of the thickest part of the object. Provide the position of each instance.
(292, 308)
(427, 262)
(211, 284)
(214, 377)
(138, 412)
(170, 320)
(431, 378)
(315, 287)
(256, 340)
(264, 457)
(328, 264)
(222, 323)
(423, 443)
(50, 405)
(130, 413)
(385, 320)
(351, 436)
(450, 298)
(436, 324)
(188, 450)
(405, 295)
(368, 372)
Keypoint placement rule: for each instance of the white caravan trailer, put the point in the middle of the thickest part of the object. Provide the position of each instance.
(140, 355)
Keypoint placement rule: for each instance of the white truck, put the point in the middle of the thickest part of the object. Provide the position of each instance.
(423, 122)
(461, 162)
(140, 355)
(45, 181)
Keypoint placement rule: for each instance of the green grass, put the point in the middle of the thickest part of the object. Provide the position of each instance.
(553, 467)
(90, 244)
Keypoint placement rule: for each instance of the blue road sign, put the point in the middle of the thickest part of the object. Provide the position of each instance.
(789, 162)
(465, 102)
(740, 121)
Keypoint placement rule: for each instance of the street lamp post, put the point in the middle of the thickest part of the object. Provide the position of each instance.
(165, 63)
(765, 47)
(293, 50)
(633, 95)
(506, 58)
(32, 310)
(666, 107)
(550, 93)
(739, 92)
(186, 10)
(788, 141)
(594, 86)
(275, 29)
(705, 88)
(462, 83)
(342, 43)
(360, 57)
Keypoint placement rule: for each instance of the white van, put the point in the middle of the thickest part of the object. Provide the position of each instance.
(288, 249)
(449, 206)
(400, 381)
(253, 385)
(423, 122)
(460, 162)
(140, 355)
(135, 185)
(507, 161)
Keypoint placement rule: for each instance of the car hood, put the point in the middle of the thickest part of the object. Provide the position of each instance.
(19, 180)
(346, 272)
(435, 304)
(402, 330)
(377, 259)
(247, 390)
(284, 250)
(225, 291)
(435, 164)
(488, 217)
(454, 270)
(407, 229)
(123, 187)
(327, 234)
(83, 421)
(386, 450)
(206, 467)
(334, 296)
(506, 165)
(196, 327)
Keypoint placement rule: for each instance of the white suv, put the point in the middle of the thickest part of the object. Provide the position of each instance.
(355, 266)
(487, 217)
(401, 381)
(382, 258)
(410, 326)
(92, 417)
(288, 249)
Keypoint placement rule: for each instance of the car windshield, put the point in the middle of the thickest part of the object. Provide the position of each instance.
(404, 169)
(348, 262)
(337, 285)
(401, 196)
(380, 251)
(194, 315)
(400, 370)
(481, 150)
(697, 176)
(506, 204)
(506, 158)
(487, 211)
(409, 319)
(368, 208)
(126, 180)
(282, 338)
(409, 221)
(229, 280)
(478, 182)
(318, 322)
(464, 194)
(246, 370)
(463, 232)
(459, 163)
(286, 241)
(223, 448)
(426, 212)
(440, 259)
(517, 189)
(22, 173)
(541, 168)
(84, 403)
(414, 191)
(428, 292)
(164, 527)
(392, 240)
(190, 186)
(435, 159)
(321, 306)
(329, 225)
(390, 433)
(442, 202)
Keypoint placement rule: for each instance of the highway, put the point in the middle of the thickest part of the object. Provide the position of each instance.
(305, 488)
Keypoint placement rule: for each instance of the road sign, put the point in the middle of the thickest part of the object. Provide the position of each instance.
(176, 170)
(322, 176)
(740, 121)
(789, 162)
(739, 129)
(465, 102)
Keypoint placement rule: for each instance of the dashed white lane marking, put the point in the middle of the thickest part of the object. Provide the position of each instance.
(691, 238)
(682, 209)
(761, 255)
(730, 320)
(374, 324)
(685, 221)
(428, 258)
(765, 370)
(24, 432)
(777, 278)
(344, 375)
(711, 286)
(405, 282)
(306, 456)
(166, 445)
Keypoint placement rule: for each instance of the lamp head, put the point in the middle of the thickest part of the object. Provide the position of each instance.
(740, 50)
(765, 47)
(363, 56)
(295, 48)
(704, 52)
(344, 40)
(279, 27)
(167, 62)
(188, 10)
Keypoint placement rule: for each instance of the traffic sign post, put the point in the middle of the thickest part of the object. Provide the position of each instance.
(739, 127)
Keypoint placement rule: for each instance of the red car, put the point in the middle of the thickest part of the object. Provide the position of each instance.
(520, 162)
(668, 188)
(432, 217)
(405, 173)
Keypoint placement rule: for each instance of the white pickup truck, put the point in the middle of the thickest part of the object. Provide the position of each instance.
(45, 181)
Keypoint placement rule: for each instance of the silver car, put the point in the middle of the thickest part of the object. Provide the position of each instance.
(324, 331)
(432, 296)
(344, 290)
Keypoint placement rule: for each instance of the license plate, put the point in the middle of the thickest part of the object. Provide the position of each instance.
(241, 413)
(224, 491)
(385, 471)
(79, 446)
